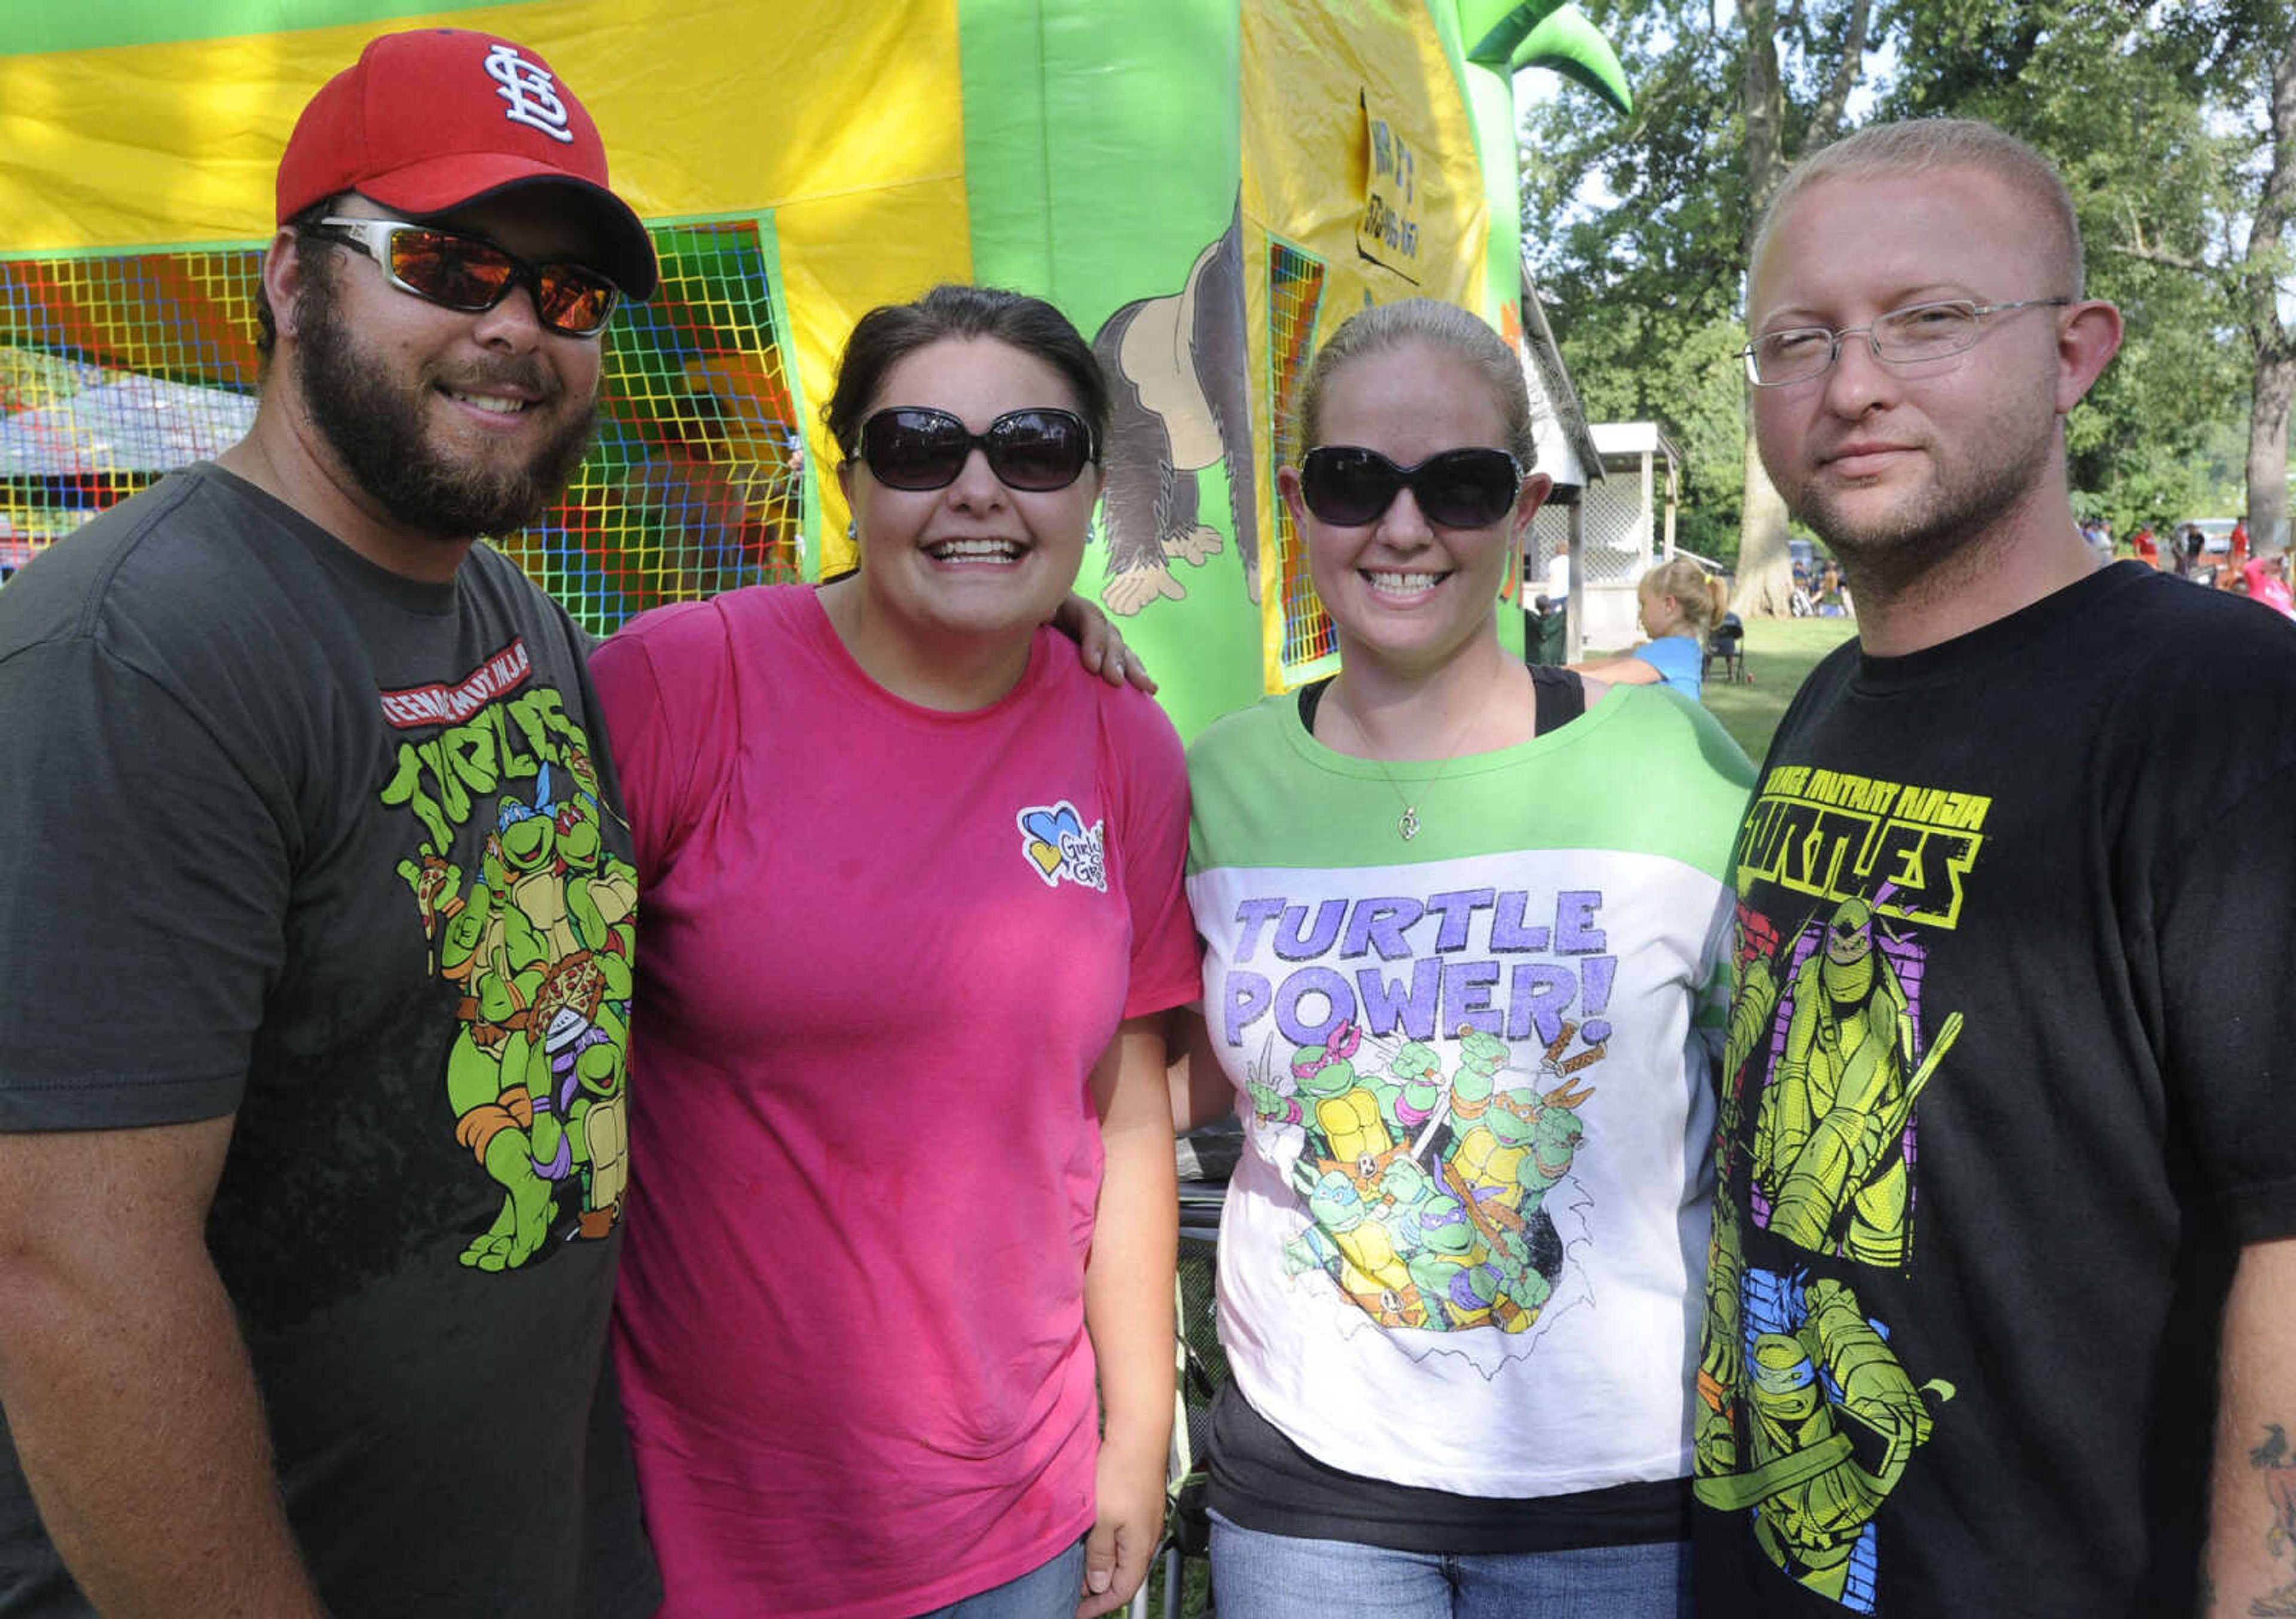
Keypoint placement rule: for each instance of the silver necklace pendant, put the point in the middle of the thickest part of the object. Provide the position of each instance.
(1408, 826)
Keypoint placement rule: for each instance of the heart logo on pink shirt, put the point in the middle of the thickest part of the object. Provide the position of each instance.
(1055, 839)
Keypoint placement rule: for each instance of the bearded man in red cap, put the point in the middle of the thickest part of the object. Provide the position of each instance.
(317, 928)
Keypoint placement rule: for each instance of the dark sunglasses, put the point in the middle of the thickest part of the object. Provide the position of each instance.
(471, 275)
(910, 447)
(1349, 485)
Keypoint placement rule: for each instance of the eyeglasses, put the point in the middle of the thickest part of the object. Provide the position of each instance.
(471, 275)
(1349, 485)
(910, 447)
(1903, 337)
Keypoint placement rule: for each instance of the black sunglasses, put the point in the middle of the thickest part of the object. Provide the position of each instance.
(471, 275)
(1349, 485)
(910, 447)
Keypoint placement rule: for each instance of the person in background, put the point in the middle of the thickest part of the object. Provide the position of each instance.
(2191, 544)
(1833, 595)
(1463, 924)
(2005, 1225)
(914, 890)
(2267, 579)
(1679, 603)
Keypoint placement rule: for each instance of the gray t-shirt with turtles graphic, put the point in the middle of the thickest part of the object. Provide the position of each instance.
(299, 840)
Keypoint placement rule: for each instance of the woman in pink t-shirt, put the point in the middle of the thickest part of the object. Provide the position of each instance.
(912, 909)
(2266, 578)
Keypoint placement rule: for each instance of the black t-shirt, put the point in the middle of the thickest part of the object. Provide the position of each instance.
(1261, 1480)
(2010, 1061)
(1558, 697)
(296, 838)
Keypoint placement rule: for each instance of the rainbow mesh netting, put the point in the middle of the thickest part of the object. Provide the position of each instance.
(1295, 293)
(115, 369)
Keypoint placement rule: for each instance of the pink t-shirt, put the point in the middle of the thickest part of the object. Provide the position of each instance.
(2269, 588)
(882, 947)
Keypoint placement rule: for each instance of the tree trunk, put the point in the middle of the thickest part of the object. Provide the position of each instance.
(1765, 571)
(2267, 453)
(1765, 568)
(1761, 107)
(2274, 341)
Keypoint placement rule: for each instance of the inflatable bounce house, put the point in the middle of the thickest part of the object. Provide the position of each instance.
(1205, 186)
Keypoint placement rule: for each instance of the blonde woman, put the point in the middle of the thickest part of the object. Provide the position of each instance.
(1462, 920)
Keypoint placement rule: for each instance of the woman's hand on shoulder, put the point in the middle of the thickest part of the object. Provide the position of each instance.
(1099, 648)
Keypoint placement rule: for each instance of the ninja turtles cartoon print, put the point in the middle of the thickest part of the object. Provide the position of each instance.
(537, 935)
(1830, 1141)
(1425, 1191)
(1819, 1378)
(1807, 1418)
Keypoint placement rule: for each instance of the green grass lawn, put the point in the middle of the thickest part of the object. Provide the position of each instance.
(1779, 652)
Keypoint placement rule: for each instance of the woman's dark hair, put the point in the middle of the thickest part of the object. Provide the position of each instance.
(890, 332)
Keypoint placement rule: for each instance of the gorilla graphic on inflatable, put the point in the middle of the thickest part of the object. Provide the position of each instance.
(1177, 368)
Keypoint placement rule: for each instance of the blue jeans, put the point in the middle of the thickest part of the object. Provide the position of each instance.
(1049, 1592)
(1257, 1575)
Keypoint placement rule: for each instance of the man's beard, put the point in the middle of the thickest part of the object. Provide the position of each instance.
(383, 436)
(1887, 555)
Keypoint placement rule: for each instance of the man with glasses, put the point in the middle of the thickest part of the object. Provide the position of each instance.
(318, 940)
(2006, 1179)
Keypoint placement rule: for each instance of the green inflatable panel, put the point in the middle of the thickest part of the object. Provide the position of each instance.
(1490, 30)
(1566, 43)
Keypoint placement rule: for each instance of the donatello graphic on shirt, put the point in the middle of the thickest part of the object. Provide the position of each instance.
(539, 938)
(1428, 1122)
(1808, 1419)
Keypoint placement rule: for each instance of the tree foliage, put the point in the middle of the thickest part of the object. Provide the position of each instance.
(2145, 121)
(2157, 116)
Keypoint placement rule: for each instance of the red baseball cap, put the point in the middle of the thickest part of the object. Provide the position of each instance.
(432, 120)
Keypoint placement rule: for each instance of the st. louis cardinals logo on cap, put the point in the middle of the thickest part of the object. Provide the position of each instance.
(530, 91)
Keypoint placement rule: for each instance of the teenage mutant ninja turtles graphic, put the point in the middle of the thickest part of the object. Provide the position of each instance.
(1832, 1419)
(539, 941)
(1832, 1140)
(1805, 1419)
(1426, 1192)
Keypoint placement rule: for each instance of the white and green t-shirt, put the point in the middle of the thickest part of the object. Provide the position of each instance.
(1465, 1246)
